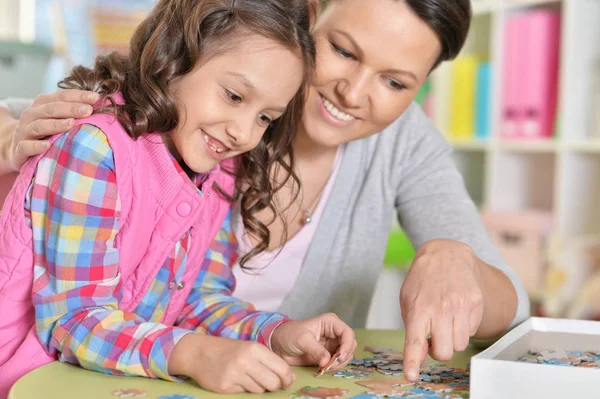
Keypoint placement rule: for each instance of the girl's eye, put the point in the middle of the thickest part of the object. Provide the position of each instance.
(394, 84)
(264, 120)
(233, 97)
(342, 52)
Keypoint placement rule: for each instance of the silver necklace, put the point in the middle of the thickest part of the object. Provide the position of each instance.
(308, 212)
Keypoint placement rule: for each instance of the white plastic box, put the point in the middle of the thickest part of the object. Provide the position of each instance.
(495, 373)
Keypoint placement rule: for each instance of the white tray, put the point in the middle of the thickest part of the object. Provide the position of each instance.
(495, 373)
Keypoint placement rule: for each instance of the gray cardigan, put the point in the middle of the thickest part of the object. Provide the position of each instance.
(409, 167)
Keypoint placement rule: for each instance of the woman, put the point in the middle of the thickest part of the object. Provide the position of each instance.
(364, 150)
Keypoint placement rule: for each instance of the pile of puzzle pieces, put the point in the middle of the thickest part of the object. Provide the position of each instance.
(563, 358)
(435, 381)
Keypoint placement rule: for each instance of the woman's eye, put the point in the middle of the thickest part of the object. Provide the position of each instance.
(233, 97)
(342, 52)
(394, 84)
(264, 120)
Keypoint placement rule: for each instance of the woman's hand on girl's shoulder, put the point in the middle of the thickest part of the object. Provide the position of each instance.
(48, 115)
(229, 366)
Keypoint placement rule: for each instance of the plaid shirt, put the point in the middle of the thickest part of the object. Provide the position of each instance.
(73, 207)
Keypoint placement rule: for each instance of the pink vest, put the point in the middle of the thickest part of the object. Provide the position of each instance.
(157, 208)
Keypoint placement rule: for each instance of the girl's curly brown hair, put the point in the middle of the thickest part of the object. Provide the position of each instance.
(168, 44)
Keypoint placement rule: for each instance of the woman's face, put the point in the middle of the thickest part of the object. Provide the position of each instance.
(372, 58)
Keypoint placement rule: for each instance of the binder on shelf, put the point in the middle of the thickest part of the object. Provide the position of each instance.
(540, 86)
(513, 70)
(462, 107)
(483, 110)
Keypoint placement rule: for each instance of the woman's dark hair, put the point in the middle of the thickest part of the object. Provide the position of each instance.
(168, 44)
(449, 19)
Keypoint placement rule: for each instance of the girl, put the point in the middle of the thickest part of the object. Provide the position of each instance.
(365, 153)
(104, 246)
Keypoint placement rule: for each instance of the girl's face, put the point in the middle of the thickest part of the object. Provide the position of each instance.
(372, 58)
(227, 103)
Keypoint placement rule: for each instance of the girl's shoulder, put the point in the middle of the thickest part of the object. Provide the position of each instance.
(85, 142)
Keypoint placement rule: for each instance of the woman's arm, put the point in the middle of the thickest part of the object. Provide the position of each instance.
(24, 122)
(458, 286)
(8, 124)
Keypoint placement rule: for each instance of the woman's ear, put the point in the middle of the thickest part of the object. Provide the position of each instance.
(314, 11)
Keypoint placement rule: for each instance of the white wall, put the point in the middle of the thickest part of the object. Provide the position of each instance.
(9, 19)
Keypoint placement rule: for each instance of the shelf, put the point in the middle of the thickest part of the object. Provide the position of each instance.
(536, 146)
(585, 146)
(469, 145)
(526, 145)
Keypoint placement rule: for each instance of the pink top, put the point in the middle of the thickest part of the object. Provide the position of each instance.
(268, 287)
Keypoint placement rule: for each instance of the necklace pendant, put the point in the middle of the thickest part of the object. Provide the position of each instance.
(307, 218)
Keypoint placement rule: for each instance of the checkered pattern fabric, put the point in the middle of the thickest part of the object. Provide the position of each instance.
(73, 207)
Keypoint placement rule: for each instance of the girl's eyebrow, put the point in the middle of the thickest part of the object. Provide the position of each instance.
(246, 82)
(242, 78)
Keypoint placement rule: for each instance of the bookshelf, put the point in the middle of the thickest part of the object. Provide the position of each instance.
(557, 174)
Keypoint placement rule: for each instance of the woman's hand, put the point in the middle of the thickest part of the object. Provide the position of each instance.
(48, 115)
(442, 296)
(229, 366)
(314, 341)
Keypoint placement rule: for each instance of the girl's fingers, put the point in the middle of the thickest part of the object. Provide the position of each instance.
(347, 359)
(336, 329)
(278, 367)
(249, 384)
(266, 378)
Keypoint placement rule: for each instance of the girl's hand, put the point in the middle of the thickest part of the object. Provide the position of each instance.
(442, 296)
(229, 366)
(48, 115)
(314, 341)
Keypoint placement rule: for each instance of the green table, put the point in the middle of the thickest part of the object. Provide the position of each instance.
(63, 381)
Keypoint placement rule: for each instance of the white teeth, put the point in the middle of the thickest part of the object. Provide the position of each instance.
(333, 110)
(216, 149)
